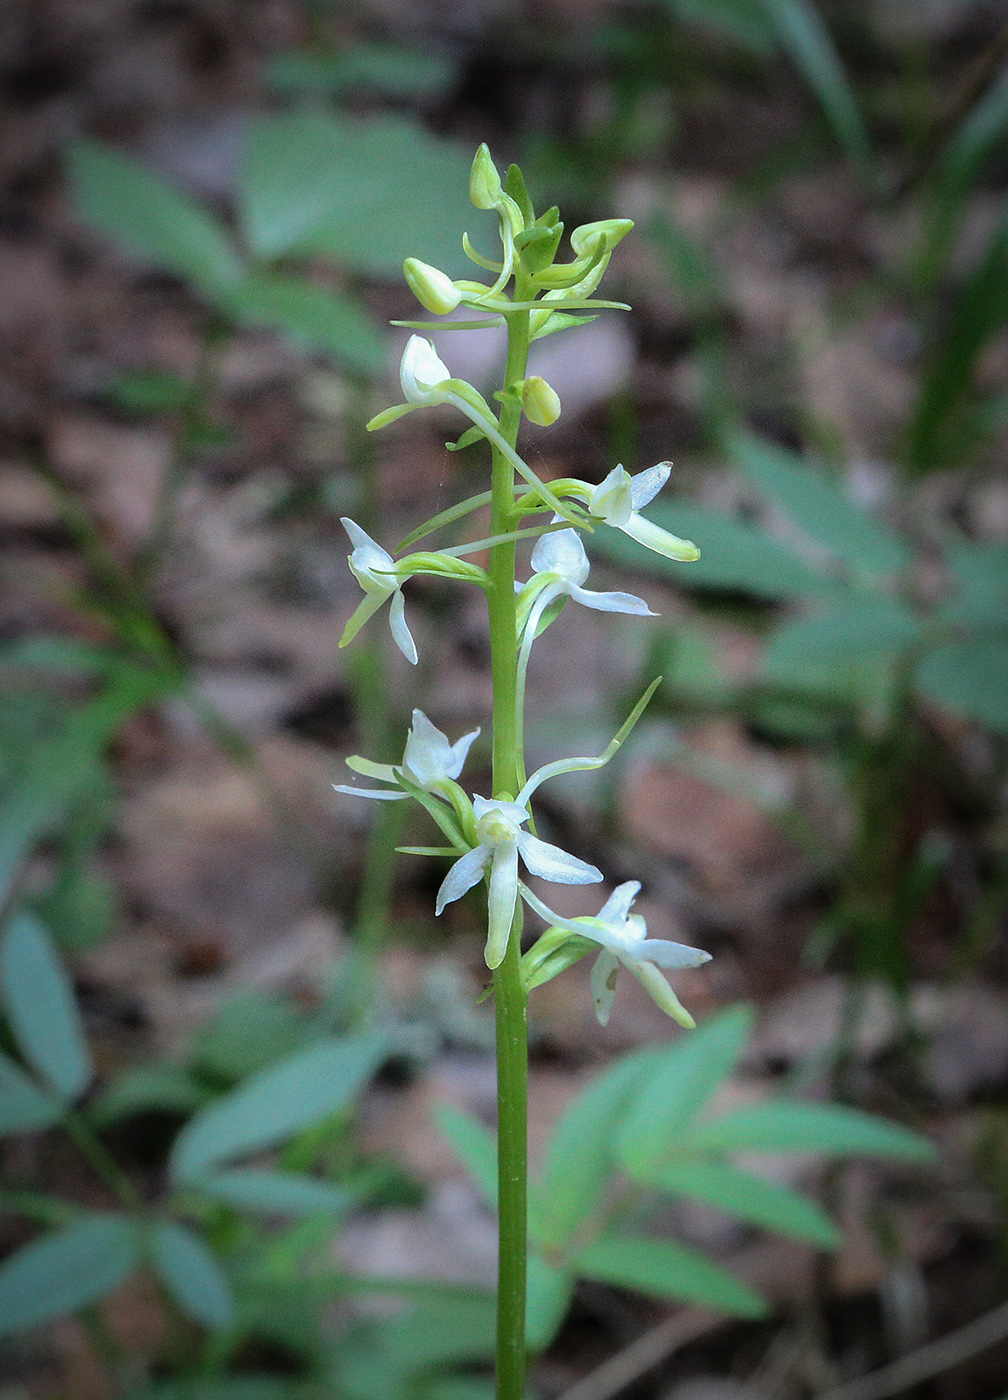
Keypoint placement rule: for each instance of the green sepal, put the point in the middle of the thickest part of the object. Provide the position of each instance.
(447, 517)
(449, 851)
(536, 247)
(484, 323)
(514, 185)
(541, 964)
(437, 565)
(560, 276)
(462, 807)
(560, 321)
(551, 218)
(469, 437)
(389, 415)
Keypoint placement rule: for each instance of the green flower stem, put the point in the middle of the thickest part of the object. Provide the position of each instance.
(509, 995)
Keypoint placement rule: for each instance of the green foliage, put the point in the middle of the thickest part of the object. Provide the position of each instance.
(24, 1106)
(386, 69)
(65, 1270)
(260, 1192)
(192, 1276)
(39, 1004)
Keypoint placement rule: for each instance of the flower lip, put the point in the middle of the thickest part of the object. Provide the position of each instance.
(421, 370)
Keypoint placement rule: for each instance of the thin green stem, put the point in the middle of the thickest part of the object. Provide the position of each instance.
(91, 1147)
(510, 1000)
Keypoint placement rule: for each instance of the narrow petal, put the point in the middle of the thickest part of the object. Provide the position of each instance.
(611, 602)
(664, 953)
(551, 863)
(400, 631)
(358, 538)
(380, 794)
(603, 984)
(466, 872)
(646, 485)
(502, 901)
(619, 903)
(365, 609)
(384, 771)
(660, 991)
(660, 541)
(460, 752)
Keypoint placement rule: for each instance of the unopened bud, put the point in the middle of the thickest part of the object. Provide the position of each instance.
(540, 402)
(612, 230)
(485, 189)
(432, 288)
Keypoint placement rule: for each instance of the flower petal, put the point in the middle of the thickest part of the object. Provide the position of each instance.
(664, 953)
(400, 631)
(460, 752)
(384, 771)
(660, 991)
(561, 552)
(551, 863)
(466, 872)
(365, 609)
(660, 541)
(646, 485)
(603, 984)
(619, 903)
(359, 538)
(511, 810)
(612, 498)
(380, 794)
(611, 602)
(502, 901)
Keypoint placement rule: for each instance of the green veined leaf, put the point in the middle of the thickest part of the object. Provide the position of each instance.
(275, 1104)
(192, 1275)
(970, 678)
(854, 628)
(807, 42)
(39, 1001)
(836, 1131)
(122, 198)
(277, 1193)
(682, 1080)
(24, 1107)
(580, 1159)
(477, 1147)
(667, 1270)
(65, 1271)
(358, 190)
(751, 1198)
(735, 556)
(817, 503)
(312, 318)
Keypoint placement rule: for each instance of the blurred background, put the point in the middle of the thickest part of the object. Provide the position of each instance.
(204, 210)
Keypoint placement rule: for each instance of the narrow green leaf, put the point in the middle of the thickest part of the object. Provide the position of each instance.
(735, 556)
(192, 1276)
(275, 1104)
(854, 628)
(546, 1302)
(580, 1159)
(681, 1081)
(980, 572)
(65, 1271)
(388, 69)
(970, 678)
(312, 318)
(476, 1145)
(744, 21)
(154, 1088)
(24, 1107)
(836, 1131)
(751, 1198)
(122, 198)
(808, 44)
(39, 1001)
(667, 1270)
(817, 502)
(277, 1193)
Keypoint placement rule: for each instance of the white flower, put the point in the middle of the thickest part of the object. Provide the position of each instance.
(430, 762)
(500, 841)
(374, 569)
(421, 370)
(561, 566)
(624, 939)
(620, 497)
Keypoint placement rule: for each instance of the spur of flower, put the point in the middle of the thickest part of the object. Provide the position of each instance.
(430, 762)
(618, 501)
(500, 841)
(623, 939)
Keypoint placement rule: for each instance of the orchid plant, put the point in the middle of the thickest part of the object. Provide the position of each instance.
(490, 839)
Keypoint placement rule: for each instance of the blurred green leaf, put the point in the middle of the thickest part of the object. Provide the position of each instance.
(154, 1088)
(24, 1107)
(122, 198)
(275, 1105)
(250, 1031)
(667, 1270)
(818, 504)
(752, 1198)
(277, 1193)
(744, 21)
(192, 1275)
(546, 1302)
(807, 42)
(388, 69)
(150, 391)
(832, 1129)
(41, 1009)
(477, 1147)
(969, 678)
(364, 192)
(227, 1388)
(980, 572)
(64, 1271)
(311, 317)
(389, 1358)
(854, 628)
(79, 909)
(734, 555)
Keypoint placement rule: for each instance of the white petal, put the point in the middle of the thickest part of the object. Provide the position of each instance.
(664, 953)
(359, 538)
(421, 370)
(612, 602)
(428, 752)
(646, 485)
(563, 553)
(603, 984)
(380, 794)
(511, 810)
(460, 752)
(655, 538)
(501, 904)
(660, 991)
(551, 863)
(618, 905)
(466, 872)
(384, 771)
(612, 498)
(400, 632)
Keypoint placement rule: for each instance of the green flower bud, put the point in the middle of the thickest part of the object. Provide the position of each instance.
(612, 230)
(540, 403)
(485, 189)
(433, 289)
